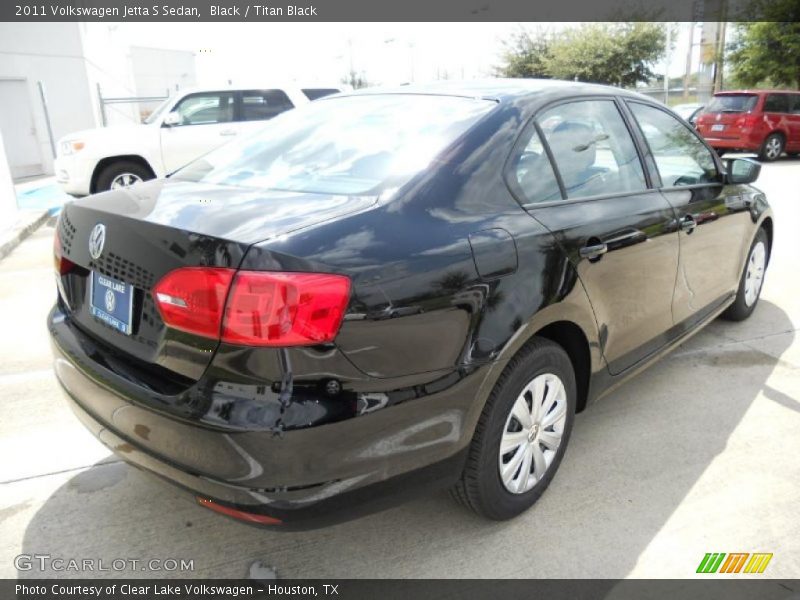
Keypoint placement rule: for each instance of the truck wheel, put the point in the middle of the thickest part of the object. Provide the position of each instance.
(120, 174)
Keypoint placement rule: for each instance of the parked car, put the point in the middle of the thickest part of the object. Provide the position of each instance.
(184, 127)
(764, 122)
(395, 290)
(689, 111)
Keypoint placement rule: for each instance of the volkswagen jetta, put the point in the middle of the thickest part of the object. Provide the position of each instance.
(394, 290)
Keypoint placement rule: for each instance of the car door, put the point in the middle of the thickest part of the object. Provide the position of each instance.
(793, 119)
(257, 106)
(206, 121)
(579, 173)
(713, 218)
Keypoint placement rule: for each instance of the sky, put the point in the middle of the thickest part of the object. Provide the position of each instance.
(386, 53)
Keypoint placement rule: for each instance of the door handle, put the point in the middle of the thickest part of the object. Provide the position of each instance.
(594, 252)
(228, 132)
(688, 224)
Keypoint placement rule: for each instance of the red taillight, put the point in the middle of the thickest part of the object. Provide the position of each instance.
(263, 308)
(285, 309)
(62, 265)
(192, 299)
(746, 121)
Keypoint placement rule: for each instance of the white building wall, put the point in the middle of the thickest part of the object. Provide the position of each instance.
(8, 198)
(108, 64)
(50, 53)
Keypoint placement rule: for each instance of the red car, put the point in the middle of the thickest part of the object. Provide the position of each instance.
(766, 122)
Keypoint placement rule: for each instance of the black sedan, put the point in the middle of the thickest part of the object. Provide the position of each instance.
(393, 290)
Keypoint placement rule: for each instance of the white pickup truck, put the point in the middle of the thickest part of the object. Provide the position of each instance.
(183, 128)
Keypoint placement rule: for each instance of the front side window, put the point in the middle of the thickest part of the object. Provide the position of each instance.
(680, 156)
(206, 109)
(347, 145)
(592, 149)
(260, 105)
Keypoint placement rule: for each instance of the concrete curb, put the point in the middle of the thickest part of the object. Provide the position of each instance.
(25, 227)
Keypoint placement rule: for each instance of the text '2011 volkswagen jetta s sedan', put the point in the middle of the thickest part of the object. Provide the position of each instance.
(393, 290)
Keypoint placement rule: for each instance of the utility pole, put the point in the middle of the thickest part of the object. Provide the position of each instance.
(688, 72)
(719, 56)
(667, 62)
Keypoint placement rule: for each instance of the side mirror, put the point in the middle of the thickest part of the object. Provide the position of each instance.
(171, 120)
(742, 170)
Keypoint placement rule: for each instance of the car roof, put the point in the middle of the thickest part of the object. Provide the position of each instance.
(501, 89)
(755, 92)
(258, 85)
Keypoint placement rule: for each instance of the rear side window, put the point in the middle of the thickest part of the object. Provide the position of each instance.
(779, 103)
(315, 93)
(592, 148)
(347, 145)
(260, 105)
(681, 158)
(732, 103)
(534, 173)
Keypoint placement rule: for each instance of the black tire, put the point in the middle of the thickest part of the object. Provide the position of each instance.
(739, 310)
(720, 151)
(118, 168)
(767, 152)
(481, 487)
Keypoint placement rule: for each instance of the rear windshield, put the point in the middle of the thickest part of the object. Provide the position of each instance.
(732, 103)
(347, 145)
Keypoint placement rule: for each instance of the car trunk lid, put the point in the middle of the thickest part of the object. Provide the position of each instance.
(154, 228)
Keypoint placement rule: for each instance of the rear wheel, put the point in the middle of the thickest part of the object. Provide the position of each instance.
(752, 280)
(522, 433)
(772, 148)
(121, 174)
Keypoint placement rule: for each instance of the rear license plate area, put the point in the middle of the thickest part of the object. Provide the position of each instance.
(111, 301)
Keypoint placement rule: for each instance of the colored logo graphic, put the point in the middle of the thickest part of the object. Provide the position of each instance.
(736, 562)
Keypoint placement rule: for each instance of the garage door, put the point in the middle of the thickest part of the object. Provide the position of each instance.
(19, 132)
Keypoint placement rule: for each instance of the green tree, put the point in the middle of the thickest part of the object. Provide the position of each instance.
(612, 53)
(768, 52)
(524, 55)
(356, 80)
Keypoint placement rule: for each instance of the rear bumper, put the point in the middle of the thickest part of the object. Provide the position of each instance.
(303, 477)
(750, 142)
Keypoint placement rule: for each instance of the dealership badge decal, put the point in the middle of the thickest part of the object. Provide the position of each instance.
(96, 240)
(736, 561)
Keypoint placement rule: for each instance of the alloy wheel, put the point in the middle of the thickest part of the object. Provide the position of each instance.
(124, 180)
(773, 148)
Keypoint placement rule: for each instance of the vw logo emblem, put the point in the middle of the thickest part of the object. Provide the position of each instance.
(111, 301)
(96, 240)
